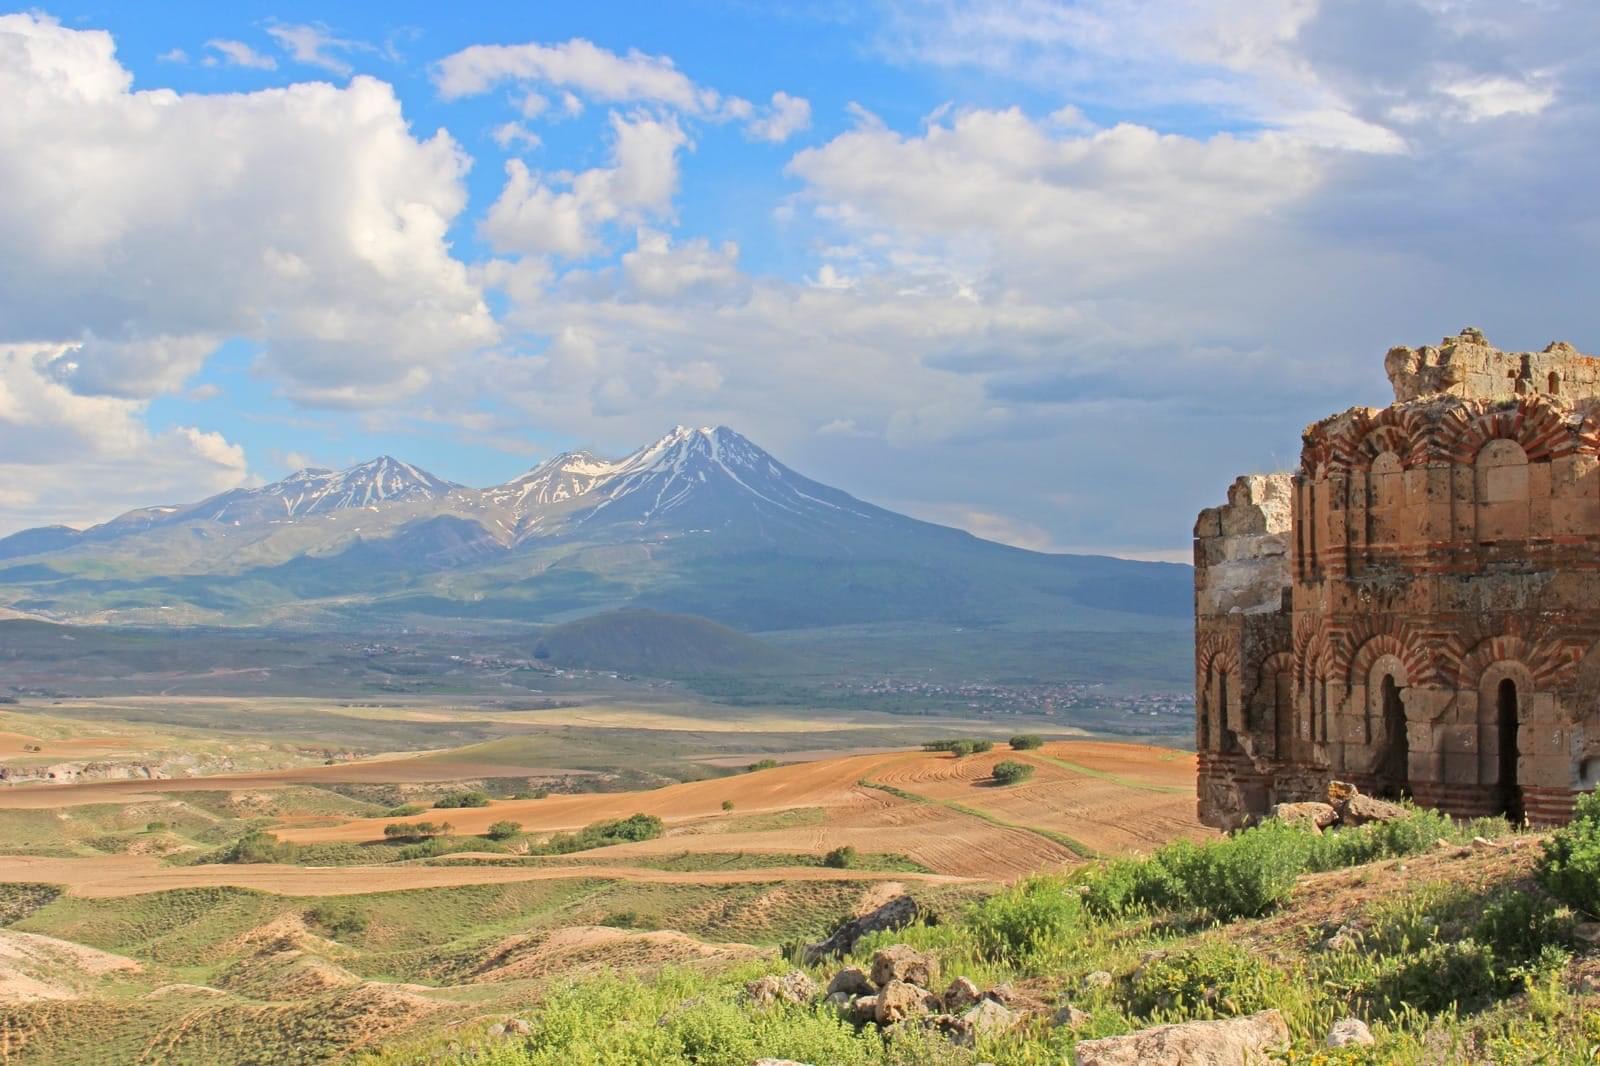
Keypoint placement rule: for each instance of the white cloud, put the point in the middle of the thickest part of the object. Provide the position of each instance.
(315, 46)
(508, 134)
(66, 457)
(145, 227)
(578, 66)
(173, 55)
(786, 116)
(239, 54)
(539, 214)
(655, 270)
(1493, 97)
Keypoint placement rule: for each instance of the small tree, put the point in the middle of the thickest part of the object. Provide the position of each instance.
(1009, 771)
(504, 830)
(840, 858)
(1027, 742)
(727, 805)
(472, 798)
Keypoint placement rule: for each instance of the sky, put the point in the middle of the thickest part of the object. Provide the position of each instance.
(1051, 272)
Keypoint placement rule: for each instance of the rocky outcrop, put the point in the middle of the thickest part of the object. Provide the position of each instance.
(1349, 1032)
(900, 962)
(1243, 1041)
(792, 987)
(897, 913)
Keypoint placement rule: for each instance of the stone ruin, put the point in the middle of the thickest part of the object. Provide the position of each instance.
(1416, 609)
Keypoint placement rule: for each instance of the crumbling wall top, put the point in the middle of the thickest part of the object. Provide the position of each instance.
(1469, 367)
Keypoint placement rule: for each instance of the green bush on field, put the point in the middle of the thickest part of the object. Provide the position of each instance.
(1032, 918)
(1570, 867)
(840, 858)
(504, 830)
(727, 805)
(415, 830)
(1009, 771)
(257, 846)
(604, 834)
(1027, 742)
(470, 798)
(959, 748)
(405, 810)
(764, 764)
(338, 920)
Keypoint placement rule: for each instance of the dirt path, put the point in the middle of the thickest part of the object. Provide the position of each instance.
(128, 875)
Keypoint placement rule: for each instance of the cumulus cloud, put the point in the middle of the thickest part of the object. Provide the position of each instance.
(145, 226)
(786, 116)
(315, 46)
(538, 214)
(577, 65)
(115, 461)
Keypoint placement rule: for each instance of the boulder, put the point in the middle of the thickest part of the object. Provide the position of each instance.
(1347, 1032)
(838, 1000)
(1070, 1016)
(988, 1018)
(1354, 808)
(961, 994)
(895, 914)
(1098, 979)
(1318, 816)
(1233, 1042)
(1003, 994)
(900, 1000)
(852, 980)
(791, 987)
(900, 962)
(861, 1010)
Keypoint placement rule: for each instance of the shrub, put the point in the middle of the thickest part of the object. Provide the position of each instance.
(338, 920)
(727, 805)
(1009, 771)
(541, 793)
(763, 764)
(1215, 979)
(405, 810)
(604, 834)
(959, 748)
(415, 830)
(257, 846)
(1026, 919)
(840, 858)
(1570, 866)
(470, 798)
(156, 827)
(1027, 742)
(504, 830)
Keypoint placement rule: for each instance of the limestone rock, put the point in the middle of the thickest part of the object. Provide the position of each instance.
(852, 980)
(1349, 1031)
(1233, 1042)
(961, 994)
(1360, 810)
(1002, 993)
(895, 914)
(1318, 816)
(988, 1018)
(791, 987)
(900, 1000)
(901, 962)
(1098, 979)
(861, 1010)
(838, 1000)
(1070, 1016)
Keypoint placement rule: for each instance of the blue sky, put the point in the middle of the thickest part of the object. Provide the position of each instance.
(1053, 272)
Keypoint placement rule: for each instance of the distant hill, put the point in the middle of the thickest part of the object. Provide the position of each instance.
(658, 644)
(700, 522)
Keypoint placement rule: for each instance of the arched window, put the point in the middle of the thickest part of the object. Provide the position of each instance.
(1507, 728)
(1555, 384)
(1394, 771)
(1385, 496)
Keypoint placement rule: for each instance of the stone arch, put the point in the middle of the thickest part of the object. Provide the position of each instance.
(1502, 493)
(1542, 429)
(1313, 657)
(1549, 663)
(1507, 712)
(1273, 705)
(1218, 720)
(1385, 724)
(1376, 635)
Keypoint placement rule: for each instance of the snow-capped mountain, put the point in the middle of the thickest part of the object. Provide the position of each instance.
(701, 520)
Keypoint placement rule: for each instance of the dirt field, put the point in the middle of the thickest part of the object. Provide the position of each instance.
(943, 812)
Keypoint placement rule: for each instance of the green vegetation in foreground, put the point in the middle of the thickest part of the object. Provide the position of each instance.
(1077, 847)
(697, 861)
(959, 748)
(1459, 970)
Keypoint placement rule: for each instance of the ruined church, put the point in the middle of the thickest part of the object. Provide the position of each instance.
(1416, 609)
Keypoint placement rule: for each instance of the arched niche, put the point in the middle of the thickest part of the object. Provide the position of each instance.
(1506, 702)
(1387, 732)
(1385, 500)
(1500, 475)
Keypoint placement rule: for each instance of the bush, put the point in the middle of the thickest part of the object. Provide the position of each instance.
(257, 846)
(405, 810)
(727, 805)
(156, 827)
(959, 748)
(338, 920)
(840, 858)
(1027, 742)
(504, 830)
(415, 830)
(1009, 771)
(604, 834)
(1570, 867)
(1215, 979)
(471, 798)
(763, 764)
(1026, 919)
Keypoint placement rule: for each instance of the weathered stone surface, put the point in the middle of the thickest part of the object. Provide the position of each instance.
(961, 994)
(852, 980)
(1407, 612)
(1349, 1031)
(1233, 1042)
(990, 1018)
(895, 914)
(861, 1010)
(1070, 1016)
(792, 987)
(1317, 815)
(1098, 979)
(900, 1000)
(901, 962)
